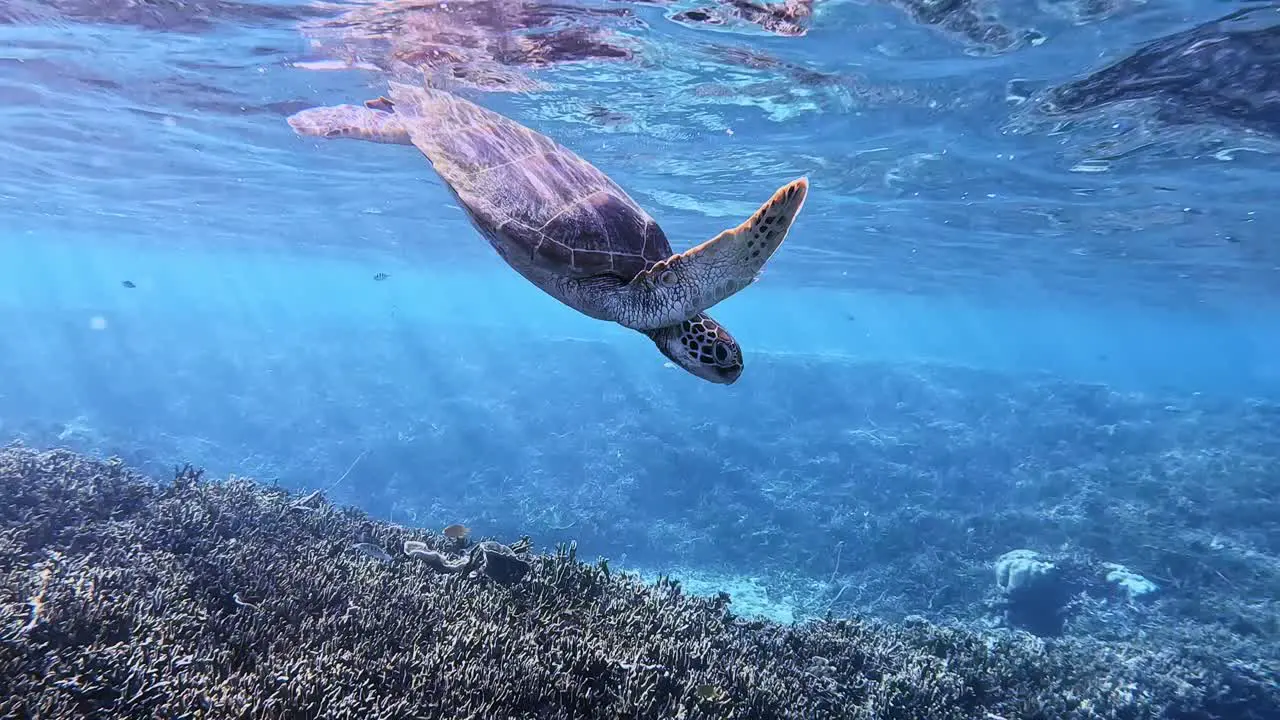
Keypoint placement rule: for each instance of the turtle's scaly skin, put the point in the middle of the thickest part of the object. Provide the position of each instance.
(568, 228)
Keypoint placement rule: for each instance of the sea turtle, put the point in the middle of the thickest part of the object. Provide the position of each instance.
(570, 230)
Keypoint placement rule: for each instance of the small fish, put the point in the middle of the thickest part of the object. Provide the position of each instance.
(415, 547)
(372, 551)
(457, 531)
(128, 284)
(381, 276)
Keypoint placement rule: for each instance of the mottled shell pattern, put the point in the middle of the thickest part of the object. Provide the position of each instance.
(536, 200)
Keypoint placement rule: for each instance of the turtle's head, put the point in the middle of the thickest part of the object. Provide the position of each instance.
(701, 346)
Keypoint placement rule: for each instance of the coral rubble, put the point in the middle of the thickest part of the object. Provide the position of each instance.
(126, 598)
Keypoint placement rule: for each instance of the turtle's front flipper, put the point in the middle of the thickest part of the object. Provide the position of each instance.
(703, 276)
(374, 122)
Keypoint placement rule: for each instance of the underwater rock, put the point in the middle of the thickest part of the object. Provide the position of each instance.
(1128, 583)
(1226, 71)
(1019, 570)
(126, 598)
(487, 558)
(499, 563)
(1034, 592)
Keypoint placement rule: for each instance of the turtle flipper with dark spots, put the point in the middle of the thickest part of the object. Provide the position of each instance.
(733, 259)
(568, 228)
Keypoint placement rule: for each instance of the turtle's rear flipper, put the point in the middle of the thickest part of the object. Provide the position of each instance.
(731, 260)
(351, 121)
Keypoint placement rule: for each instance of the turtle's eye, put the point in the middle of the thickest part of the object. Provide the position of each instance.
(666, 278)
(723, 355)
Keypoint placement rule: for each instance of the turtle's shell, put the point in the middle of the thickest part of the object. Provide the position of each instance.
(535, 200)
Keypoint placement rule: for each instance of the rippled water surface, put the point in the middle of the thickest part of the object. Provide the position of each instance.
(933, 169)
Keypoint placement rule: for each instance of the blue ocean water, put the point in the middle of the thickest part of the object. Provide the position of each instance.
(991, 328)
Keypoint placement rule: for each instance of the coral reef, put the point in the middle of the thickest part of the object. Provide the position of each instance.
(129, 598)
(899, 508)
